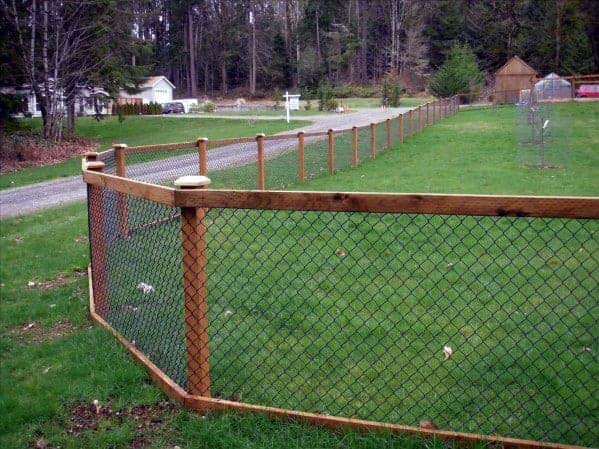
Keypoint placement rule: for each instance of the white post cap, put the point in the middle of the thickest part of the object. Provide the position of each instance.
(192, 181)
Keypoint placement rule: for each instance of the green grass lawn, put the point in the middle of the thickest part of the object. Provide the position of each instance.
(141, 131)
(427, 281)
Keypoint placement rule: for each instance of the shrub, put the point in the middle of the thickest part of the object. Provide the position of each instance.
(308, 105)
(208, 106)
(391, 90)
(458, 74)
(326, 99)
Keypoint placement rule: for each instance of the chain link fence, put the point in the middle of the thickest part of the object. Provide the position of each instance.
(479, 324)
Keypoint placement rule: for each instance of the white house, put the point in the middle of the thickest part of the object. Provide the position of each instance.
(156, 89)
(87, 100)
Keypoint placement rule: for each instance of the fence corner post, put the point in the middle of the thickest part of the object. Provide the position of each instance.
(331, 161)
(260, 146)
(202, 156)
(193, 236)
(372, 140)
(301, 161)
(97, 238)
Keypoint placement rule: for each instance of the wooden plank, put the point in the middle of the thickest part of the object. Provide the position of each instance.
(161, 147)
(202, 155)
(355, 153)
(260, 147)
(203, 404)
(400, 128)
(301, 161)
(372, 140)
(388, 133)
(121, 170)
(152, 192)
(331, 155)
(410, 203)
(193, 234)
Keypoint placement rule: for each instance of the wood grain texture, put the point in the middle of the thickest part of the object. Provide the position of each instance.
(203, 404)
(412, 203)
(301, 162)
(331, 152)
(193, 235)
(140, 189)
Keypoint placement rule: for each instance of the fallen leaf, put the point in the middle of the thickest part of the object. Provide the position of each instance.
(430, 425)
(340, 252)
(447, 352)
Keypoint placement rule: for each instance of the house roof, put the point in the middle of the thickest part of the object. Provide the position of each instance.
(514, 66)
(153, 80)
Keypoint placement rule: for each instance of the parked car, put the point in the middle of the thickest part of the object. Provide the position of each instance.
(588, 91)
(173, 108)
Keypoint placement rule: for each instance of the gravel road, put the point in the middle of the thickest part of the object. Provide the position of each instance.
(27, 199)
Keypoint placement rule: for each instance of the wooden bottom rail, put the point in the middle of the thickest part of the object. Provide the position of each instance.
(206, 404)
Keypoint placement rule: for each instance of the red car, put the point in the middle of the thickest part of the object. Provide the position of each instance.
(588, 91)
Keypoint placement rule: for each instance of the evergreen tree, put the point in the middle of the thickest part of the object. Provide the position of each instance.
(458, 74)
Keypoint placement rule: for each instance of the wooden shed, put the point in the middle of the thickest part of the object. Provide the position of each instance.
(512, 77)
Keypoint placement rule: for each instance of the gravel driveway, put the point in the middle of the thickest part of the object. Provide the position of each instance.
(27, 199)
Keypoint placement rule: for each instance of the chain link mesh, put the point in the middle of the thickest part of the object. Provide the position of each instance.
(480, 324)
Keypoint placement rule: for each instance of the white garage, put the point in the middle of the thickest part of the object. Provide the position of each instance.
(157, 89)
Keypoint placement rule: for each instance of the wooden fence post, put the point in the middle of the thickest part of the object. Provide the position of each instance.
(410, 122)
(400, 128)
(193, 234)
(301, 162)
(427, 123)
(97, 236)
(121, 167)
(355, 158)
(202, 155)
(388, 129)
(331, 152)
(372, 140)
(435, 107)
(420, 118)
(260, 145)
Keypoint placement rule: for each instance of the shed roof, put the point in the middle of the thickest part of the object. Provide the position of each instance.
(516, 66)
(153, 80)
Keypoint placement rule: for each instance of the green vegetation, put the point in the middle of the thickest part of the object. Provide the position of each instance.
(475, 152)
(458, 74)
(472, 152)
(44, 372)
(141, 131)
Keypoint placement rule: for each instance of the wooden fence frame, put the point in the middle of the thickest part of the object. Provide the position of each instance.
(417, 122)
(193, 200)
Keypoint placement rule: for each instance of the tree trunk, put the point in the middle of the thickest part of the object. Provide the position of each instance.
(192, 55)
(252, 74)
(71, 117)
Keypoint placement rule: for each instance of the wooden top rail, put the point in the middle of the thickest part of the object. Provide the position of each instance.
(409, 203)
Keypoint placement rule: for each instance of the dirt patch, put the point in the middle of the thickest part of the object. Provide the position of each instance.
(34, 333)
(27, 149)
(149, 420)
(59, 281)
